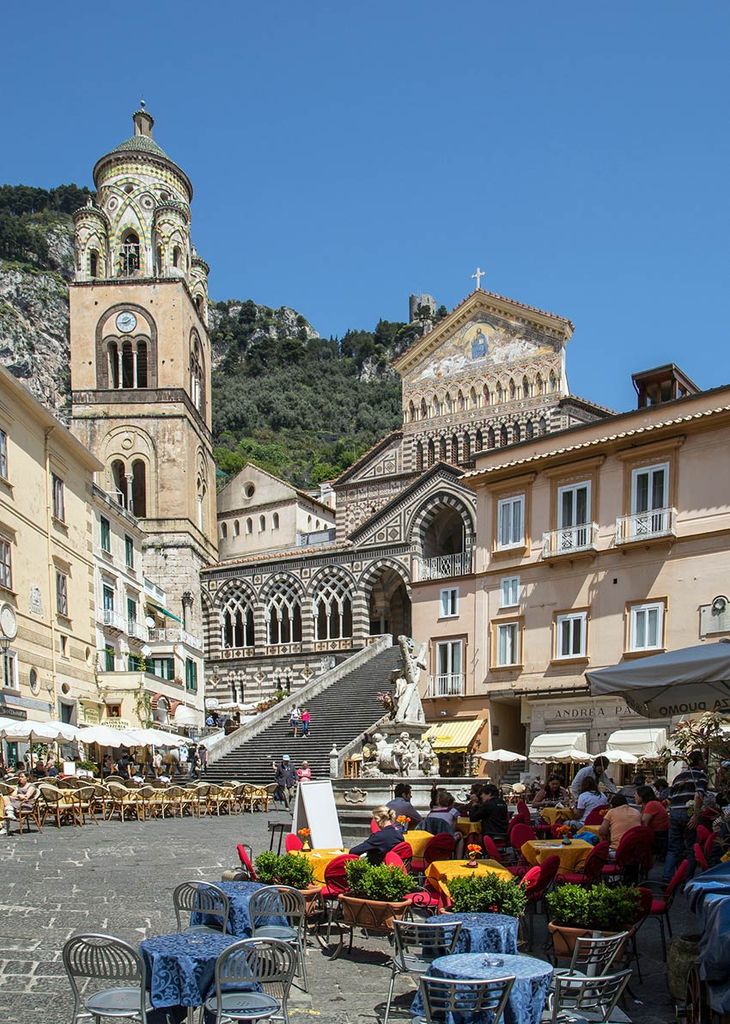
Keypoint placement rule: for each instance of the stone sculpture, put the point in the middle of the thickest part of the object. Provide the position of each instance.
(409, 708)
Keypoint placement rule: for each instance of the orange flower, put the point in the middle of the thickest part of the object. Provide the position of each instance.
(473, 849)
(402, 819)
(305, 833)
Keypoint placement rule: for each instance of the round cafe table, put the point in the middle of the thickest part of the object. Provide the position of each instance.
(572, 856)
(319, 859)
(439, 872)
(483, 933)
(239, 896)
(555, 814)
(417, 839)
(526, 1000)
(181, 966)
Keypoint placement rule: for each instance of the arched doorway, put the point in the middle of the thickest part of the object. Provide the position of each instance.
(389, 606)
(444, 534)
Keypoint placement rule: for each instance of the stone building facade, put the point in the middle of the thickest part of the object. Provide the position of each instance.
(141, 360)
(276, 617)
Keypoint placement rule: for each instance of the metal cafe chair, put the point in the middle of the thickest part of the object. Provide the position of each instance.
(107, 978)
(581, 1000)
(200, 898)
(264, 970)
(465, 1000)
(417, 945)
(283, 902)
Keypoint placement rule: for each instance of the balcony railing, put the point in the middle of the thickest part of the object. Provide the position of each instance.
(569, 540)
(450, 685)
(659, 522)
(137, 630)
(442, 567)
(174, 636)
(114, 620)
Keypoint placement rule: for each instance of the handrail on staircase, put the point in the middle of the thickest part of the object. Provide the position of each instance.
(301, 696)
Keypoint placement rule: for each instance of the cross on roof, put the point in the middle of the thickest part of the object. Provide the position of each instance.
(479, 275)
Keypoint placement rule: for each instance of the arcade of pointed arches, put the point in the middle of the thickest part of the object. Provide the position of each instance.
(449, 400)
(460, 446)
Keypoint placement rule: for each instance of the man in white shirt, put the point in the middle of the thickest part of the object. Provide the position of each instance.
(597, 770)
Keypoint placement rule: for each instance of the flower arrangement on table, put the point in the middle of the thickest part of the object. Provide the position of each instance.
(304, 834)
(565, 832)
(473, 849)
(402, 822)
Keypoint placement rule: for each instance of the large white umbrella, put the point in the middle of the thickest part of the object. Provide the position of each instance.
(569, 756)
(156, 738)
(39, 732)
(105, 736)
(619, 756)
(504, 756)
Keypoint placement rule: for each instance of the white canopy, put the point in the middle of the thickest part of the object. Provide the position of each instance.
(640, 742)
(19, 731)
(105, 736)
(506, 756)
(156, 738)
(185, 716)
(559, 747)
(619, 756)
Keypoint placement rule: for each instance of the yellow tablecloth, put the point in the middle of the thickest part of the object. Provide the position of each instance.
(466, 827)
(319, 859)
(417, 839)
(439, 872)
(571, 857)
(553, 814)
(590, 828)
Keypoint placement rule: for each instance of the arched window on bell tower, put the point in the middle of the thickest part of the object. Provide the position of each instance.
(139, 489)
(113, 361)
(196, 373)
(93, 263)
(119, 477)
(129, 262)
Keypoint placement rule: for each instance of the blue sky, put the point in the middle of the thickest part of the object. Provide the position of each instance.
(344, 154)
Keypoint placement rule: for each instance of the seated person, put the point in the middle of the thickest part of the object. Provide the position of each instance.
(443, 815)
(552, 793)
(629, 791)
(22, 797)
(118, 774)
(654, 815)
(401, 804)
(618, 820)
(491, 811)
(661, 788)
(589, 799)
(379, 843)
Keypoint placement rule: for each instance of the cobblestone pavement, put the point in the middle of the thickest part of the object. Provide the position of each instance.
(119, 878)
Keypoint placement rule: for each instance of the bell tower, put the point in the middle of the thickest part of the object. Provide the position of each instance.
(141, 358)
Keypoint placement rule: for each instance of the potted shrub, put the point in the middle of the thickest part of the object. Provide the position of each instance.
(265, 865)
(375, 895)
(487, 894)
(575, 911)
(290, 869)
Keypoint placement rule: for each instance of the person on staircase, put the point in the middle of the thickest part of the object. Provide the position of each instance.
(305, 719)
(285, 778)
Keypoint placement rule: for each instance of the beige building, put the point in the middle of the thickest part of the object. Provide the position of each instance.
(141, 360)
(46, 562)
(259, 512)
(605, 543)
(148, 665)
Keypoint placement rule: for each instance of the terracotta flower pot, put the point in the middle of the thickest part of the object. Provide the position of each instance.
(311, 895)
(371, 914)
(564, 937)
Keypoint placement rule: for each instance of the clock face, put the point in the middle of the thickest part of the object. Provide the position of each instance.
(126, 321)
(8, 622)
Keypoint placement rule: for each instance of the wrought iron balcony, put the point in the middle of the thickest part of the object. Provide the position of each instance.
(570, 540)
(450, 685)
(640, 526)
(442, 567)
(174, 636)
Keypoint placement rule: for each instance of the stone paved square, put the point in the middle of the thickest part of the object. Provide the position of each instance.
(119, 878)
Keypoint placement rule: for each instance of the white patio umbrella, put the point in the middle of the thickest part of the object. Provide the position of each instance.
(619, 756)
(105, 736)
(569, 756)
(505, 756)
(30, 731)
(156, 738)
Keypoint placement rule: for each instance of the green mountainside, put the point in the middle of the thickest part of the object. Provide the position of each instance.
(300, 406)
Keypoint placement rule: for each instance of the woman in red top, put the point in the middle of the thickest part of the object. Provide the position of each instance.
(653, 815)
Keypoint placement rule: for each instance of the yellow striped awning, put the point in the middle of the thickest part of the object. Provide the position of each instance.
(454, 737)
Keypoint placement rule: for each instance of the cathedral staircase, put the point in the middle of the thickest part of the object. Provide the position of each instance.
(341, 712)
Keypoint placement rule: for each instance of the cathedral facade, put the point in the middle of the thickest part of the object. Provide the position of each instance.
(490, 374)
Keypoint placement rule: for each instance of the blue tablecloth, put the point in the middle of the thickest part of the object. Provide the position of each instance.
(484, 933)
(181, 967)
(708, 895)
(239, 922)
(526, 1000)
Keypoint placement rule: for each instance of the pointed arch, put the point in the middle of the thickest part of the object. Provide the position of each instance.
(478, 441)
(500, 391)
(332, 605)
(516, 433)
(539, 389)
(236, 619)
(473, 399)
(487, 395)
(411, 416)
(283, 611)
(553, 381)
(461, 401)
(529, 430)
(491, 441)
(431, 452)
(525, 387)
(466, 448)
(424, 409)
(542, 425)
(443, 455)
(436, 405)
(503, 436)
(419, 456)
(512, 389)
(454, 459)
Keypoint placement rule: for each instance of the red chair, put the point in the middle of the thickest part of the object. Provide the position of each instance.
(244, 852)
(661, 902)
(335, 877)
(521, 834)
(596, 816)
(700, 859)
(394, 861)
(535, 889)
(405, 853)
(292, 843)
(439, 847)
(592, 869)
(530, 877)
(491, 849)
(374, 827)
(634, 855)
(429, 898)
(703, 832)
(522, 813)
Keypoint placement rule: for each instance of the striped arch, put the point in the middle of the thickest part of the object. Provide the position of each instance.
(332, 593)
(425, 514)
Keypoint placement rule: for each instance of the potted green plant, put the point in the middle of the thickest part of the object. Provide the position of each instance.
(265, 865)
(575, 911)
(375, 895)
(487, 894)
(291, 869)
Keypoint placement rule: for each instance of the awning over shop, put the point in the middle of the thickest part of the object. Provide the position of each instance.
(454, 737)
(641, 742)
(550, 744)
